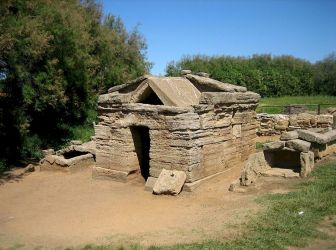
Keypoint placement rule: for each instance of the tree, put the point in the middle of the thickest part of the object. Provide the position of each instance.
(265, 74)
(325, 75)
(57, 57)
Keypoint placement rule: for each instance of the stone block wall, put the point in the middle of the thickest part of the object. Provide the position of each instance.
(200, 140)
(271, 124)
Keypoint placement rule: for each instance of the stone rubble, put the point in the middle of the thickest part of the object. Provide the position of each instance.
(272, 124)
(75, 157)
(291, 157)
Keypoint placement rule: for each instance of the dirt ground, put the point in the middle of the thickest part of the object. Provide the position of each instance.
(53, 209)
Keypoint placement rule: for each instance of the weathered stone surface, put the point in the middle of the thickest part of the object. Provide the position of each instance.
(234, 185)
(169, 182)
(87, 147)
(114, 98)
(312, 136)
(326, 119)
(76, 142)
(307, 163)
(270, 124)
(217, 85)
(29, 168)
(298, 145)
(280, 172)
(229, 98)
(203, 74)
(185, 71)
(200, 139)
(255, 165)
(58, 162)
(109, 174)
(127, 87)
(323, 150)
(172, 91)
(276, 145)
(49, 151)
(285, 136)
(150, 182)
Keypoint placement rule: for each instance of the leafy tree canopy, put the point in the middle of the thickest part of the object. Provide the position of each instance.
(55, 58)
(266, 74)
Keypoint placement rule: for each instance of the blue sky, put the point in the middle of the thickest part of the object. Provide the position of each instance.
(174, 28)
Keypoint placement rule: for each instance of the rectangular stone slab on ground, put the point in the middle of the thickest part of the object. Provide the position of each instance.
(169, 182)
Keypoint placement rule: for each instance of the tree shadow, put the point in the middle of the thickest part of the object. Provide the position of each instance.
(11, 176)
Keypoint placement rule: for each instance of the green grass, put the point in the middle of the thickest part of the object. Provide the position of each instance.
(259, 144)
(82, 133)
(286, 100)
(280, 225)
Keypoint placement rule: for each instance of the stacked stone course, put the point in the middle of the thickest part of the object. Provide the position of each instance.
(201, 127)
(272, 124)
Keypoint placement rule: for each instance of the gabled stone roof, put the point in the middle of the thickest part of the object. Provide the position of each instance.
(172, 91)
(177, 91)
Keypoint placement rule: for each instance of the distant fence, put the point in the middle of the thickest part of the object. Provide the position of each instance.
(295, 108)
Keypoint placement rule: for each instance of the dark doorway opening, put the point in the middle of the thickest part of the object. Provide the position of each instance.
(141, 142)
(149, 97)
(283, 159)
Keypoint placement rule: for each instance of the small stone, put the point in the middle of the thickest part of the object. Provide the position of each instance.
(276, 145)
(29, 168)
(185, 72)
(169, 182)
(298, 145)
(76, 142)
(150, 183)
(289, 136)
(203, 74)
(49, 151)
(234, 185)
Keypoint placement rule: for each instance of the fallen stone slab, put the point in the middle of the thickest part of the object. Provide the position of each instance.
(291, 135)
(312, 136)
(276, 145)
(280, 172)
(190, 187)
(169, 182)
(298, 145)
(214, 83)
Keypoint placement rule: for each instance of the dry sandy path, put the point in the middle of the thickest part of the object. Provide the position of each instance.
(53, 209)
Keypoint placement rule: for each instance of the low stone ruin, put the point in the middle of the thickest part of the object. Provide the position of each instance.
(193, 124)
(70, 159)
(292, 156)
(273, 124)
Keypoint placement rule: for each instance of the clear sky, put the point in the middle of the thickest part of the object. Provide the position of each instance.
(174, 28)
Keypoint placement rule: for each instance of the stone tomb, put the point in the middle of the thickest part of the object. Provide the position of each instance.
(191, 123)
